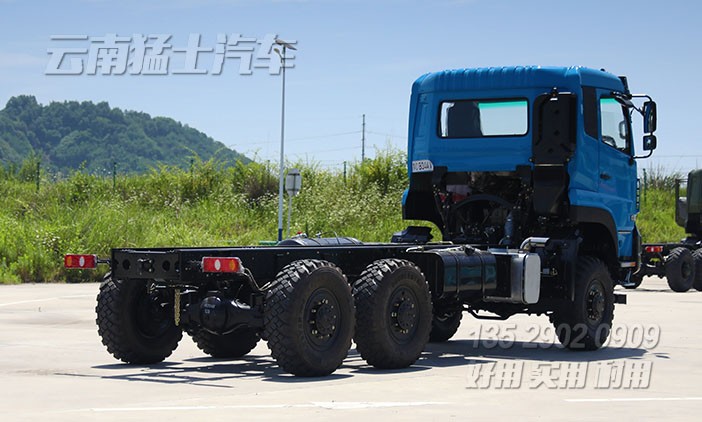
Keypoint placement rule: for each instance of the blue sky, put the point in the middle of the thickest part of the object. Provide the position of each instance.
(358, 56)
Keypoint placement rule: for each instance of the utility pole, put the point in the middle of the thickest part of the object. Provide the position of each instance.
(281, 179)
(363, 140)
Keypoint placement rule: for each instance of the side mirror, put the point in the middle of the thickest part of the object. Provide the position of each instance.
(650, 142)
(649, 115)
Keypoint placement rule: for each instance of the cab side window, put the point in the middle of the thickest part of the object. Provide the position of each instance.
(483, 118)
(614, 124)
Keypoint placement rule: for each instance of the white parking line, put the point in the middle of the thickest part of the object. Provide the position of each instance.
(321, 405)
(634, 399)
(21, 302)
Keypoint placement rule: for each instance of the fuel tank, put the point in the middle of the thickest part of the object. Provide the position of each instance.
(497, 275)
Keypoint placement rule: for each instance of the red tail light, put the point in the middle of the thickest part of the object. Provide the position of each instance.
(80, 261)
(654, 249)
(214, 264)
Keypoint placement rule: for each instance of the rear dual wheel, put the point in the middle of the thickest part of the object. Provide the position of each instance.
(310, 313)
(393, 313)
(309, 318)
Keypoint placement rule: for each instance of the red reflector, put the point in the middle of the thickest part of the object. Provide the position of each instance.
(214, 264)
(80, 261)
(654, 249)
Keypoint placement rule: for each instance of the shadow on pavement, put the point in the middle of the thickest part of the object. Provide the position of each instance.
(211, 372)
(472, 349)
(208, 372)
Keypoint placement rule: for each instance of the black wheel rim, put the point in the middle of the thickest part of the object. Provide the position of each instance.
(152, 315)
(596, 301)
(404, 314)
(323, 317)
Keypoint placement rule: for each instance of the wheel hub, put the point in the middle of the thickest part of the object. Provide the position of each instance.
(406, 314)
(325, 318)
(403, 313)
(323, 315)
(595, 304)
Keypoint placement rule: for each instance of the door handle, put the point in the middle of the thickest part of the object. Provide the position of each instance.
(605, 176)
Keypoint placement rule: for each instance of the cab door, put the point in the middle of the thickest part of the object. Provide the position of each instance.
(617, 170)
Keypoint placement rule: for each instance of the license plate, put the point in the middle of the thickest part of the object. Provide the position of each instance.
(422, 166)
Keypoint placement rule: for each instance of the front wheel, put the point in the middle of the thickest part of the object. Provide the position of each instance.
(135, 321)
(393, 319)
(586, 322)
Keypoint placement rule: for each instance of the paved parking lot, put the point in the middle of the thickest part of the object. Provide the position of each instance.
(53, 367)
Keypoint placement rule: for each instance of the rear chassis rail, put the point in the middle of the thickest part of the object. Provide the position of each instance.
(182, 266)
(479, 277)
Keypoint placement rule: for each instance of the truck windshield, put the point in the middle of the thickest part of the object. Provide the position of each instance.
(483, 118)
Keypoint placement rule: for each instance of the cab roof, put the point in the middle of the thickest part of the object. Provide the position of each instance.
(516, 77)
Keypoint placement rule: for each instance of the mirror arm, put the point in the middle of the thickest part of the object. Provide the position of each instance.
(646, 96)
(625, 100)
(650, 153)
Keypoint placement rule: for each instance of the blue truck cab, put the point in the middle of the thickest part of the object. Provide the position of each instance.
(524, 162)
(500, 154)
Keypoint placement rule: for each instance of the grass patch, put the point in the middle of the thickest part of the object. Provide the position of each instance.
(213, 206)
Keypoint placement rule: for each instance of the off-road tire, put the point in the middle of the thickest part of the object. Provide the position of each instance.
(680, 269)
(586, 323)
(309, 318)
(232, 345)
(697, 257)
(133, 325)
(444, 325)
(393, 313)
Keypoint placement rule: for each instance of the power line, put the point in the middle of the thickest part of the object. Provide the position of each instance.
(363, 133)
(326, 136)
(386, 134)
(268, 142)
(328, 150)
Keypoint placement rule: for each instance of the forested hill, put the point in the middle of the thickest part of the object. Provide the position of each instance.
(66, 135)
